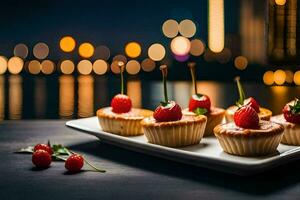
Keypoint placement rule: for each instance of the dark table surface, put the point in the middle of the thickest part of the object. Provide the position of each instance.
(129, 175)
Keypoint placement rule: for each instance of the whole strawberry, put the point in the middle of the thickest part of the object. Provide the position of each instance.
(246, 102)
(291, 112)
(41, 158)
(121, 103)
(199, 101)
(246, 117)
(169, 112)
(74, 163)
(44, 147)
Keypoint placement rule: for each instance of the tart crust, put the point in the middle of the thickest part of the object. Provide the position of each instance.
(187, 131)
(125, 124)
(214, 118)
(291, 131)
(264, 113)
(249, 142)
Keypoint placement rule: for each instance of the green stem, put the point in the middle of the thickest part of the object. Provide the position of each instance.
(94, 167)
(122, 82)
(165, 89)
(241, 91)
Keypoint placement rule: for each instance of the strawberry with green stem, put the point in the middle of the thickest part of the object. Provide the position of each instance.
(121, 103)
(242, 99)
(199, 104)
(168, 110)
(291, 112)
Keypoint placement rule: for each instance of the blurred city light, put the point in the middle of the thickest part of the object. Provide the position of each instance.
(21, 50)
(279, 77)
(48, 67)
(85, 67)
(170, 28)
(100, 67)
(241, 62)
(268, 78)
(86, 50)
(67, 67)
(156, 52)
(3, 64)
(187, 28)
(180, 46)
(15, 65)
(148, 65)
(133, 67)
(34, 67)
(216, 25)
(133, 49)
(197, 47)
(41, 50)
(67, 44)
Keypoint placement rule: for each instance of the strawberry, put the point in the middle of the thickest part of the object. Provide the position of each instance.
(168, 112)
(244, 102)
(44, 147)
(246, 117)
(41, 158)
(121, 103)
(74, 163)
(199, 101)
(291, 112)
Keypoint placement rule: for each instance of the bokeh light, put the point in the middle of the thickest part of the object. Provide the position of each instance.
(15, 65)
(48, 67)
(156, 52)
(268, 78)
(170, 28)
(187, 28)
(102, 52)
(21, 50)
(34, 67)
(180, 46)
(279, 77)
(100, 67)
(241, 62)
(133, 49)
(115, 67)
(120, 58)
(216, 25)
(67, 44)
(289, 76)
(85, 67)
(225, 55)
(280, 2)
(67, 67)
(197, 47)
(148, 65)
(41, 50)
(182, 58)
(86, 50)
(297, 77)
(3, 64)
(133, 67)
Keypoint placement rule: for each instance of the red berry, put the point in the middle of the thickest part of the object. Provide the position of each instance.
(246, 117)
(44, 147)
(199, 101)
(290, 116)
(121, 104)
(169, 112)
(253, 103)
(41, 158)
(74, 163)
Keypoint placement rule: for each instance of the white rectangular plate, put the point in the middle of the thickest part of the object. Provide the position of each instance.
(206, 154)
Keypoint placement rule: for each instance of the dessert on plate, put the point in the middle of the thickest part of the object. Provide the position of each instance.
(263, 113)
(168, 127)
(200, 104)
(120, 118)
(248, 135)
(290, 119)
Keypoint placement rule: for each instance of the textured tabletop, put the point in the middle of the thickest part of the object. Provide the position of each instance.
(130, 175)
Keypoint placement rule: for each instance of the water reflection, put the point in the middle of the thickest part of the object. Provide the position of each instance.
(81, 96)
(66, 96)
(134, 91)
(15, 97)
(2, 97)
(40, 97)
(85, 96)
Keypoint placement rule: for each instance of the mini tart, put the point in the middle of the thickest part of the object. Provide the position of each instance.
(187, 131)
(249, 142)
(264, 114)
(125, 124)
(214, 118)
(291, 131)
